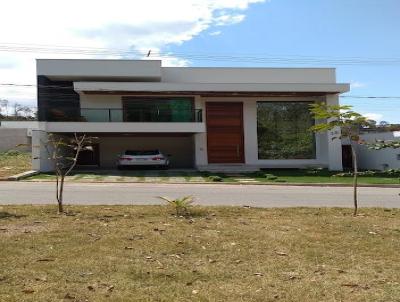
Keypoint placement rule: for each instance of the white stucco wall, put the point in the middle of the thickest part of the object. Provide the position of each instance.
(248, 75)
(378, 159)
(125, 127)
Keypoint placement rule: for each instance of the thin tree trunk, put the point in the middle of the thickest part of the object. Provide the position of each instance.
(57, 187)
(355, 179)
(60, 196)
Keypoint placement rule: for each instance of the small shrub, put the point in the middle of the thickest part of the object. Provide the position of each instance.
(205, 173)
(12, 153)
(270, 177)
(314, 171)
(259, 174)
(215, 178)
(367, 173)
(344, 174)
(391, 172)
(181, 205)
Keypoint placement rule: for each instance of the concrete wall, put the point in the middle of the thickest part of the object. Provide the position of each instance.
(10, 138)
(180, 148)
(378, 159)
(248, 75)
(40, 155)
(20, 124)
(93, 69)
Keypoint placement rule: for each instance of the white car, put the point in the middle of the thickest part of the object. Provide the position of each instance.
(132, 158)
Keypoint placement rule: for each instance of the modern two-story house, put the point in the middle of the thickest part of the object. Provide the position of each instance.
(205, 118)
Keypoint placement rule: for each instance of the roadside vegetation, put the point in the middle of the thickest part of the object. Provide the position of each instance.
(147, 253)
(273, 176)
(14, 162)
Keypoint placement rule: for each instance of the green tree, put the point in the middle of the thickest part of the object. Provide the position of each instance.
(350, 123)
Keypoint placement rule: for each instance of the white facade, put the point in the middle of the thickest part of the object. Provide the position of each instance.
(379, 159)
(103, 84)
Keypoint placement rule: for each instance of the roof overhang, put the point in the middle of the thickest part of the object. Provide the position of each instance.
(209, 88)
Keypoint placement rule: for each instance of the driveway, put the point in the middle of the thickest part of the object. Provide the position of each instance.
(206, 194)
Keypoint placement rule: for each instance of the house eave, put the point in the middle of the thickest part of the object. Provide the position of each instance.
(239, 89)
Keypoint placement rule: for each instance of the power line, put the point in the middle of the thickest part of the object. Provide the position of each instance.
(250, 58)
(369, 97)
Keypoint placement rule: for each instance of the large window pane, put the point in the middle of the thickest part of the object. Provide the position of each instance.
(283, 130)
(174, 109)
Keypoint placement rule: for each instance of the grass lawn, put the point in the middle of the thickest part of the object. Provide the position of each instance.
(144, 253)
(325, 176)
(11, 164)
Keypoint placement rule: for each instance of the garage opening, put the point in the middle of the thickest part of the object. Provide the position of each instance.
(178, 147)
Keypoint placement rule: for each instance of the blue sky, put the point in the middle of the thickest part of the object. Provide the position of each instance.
(319, 28)
(325, 31)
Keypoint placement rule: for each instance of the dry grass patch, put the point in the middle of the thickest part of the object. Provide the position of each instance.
(144, 253)
(14, 163)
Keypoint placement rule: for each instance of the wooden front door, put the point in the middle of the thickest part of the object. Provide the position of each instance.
(225, 132)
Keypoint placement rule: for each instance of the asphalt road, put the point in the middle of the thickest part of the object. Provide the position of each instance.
(205, 194)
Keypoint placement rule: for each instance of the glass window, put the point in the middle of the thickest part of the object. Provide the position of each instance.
(158, 109)
(283, 130)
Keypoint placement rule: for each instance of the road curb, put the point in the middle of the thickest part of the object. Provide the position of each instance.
(232, 183)
(21, 176)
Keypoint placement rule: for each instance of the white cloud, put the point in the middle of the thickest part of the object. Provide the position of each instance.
(118, 24)
(228, 19)
(356, 84)
(374, 116)
(215, 33)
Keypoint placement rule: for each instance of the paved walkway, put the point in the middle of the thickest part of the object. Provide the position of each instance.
(205, 194)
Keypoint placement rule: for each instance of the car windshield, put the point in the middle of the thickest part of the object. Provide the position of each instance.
(140, 153)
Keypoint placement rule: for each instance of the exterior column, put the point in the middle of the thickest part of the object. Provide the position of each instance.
(200, 150)
(200, 139)
(40, 156)
(334, 145)
(250, 132)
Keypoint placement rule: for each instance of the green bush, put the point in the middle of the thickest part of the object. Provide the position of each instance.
(391, 172)
(12, 153)
(314, 170)
(367, 173)
(270, 177)
(259, 174)
(215, 178)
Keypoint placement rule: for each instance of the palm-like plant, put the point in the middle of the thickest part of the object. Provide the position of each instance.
(181, 205)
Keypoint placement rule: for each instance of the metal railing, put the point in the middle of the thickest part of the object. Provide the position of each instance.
(124, 115)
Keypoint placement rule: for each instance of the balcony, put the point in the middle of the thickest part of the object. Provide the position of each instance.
(106, 115)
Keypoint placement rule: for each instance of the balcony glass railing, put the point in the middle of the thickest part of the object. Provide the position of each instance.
(124, 115)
